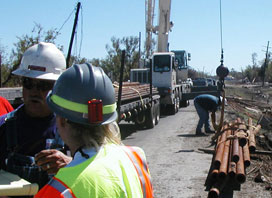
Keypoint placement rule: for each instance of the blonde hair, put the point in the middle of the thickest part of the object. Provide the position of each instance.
(95, 136)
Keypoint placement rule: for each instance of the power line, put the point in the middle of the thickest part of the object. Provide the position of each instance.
(66, 20)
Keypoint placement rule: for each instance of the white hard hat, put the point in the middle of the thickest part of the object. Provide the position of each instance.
(42, 61)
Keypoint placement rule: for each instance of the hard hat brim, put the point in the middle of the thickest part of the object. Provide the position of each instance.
(36, 74)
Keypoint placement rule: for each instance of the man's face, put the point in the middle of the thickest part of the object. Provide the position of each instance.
(34, 94)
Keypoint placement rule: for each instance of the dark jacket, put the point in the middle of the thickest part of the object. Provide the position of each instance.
(208, 102)
(31, 134)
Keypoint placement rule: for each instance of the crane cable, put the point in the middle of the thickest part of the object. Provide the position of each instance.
(218, 127)
(221, 36)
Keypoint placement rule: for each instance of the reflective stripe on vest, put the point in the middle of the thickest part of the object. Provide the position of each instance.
(142, 170)
(62, 188)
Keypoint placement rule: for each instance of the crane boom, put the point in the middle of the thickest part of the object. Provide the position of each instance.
(164, 25)
(149, 17)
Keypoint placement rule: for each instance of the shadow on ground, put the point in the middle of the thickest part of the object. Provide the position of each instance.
(188, 135)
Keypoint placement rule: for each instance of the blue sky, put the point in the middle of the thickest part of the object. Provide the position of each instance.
(246, 27)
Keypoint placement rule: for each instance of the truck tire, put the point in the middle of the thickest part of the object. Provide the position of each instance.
(177, 104)
(150, 117)
(172, 108)
(140, 119)
(184, 103)
(157, 113)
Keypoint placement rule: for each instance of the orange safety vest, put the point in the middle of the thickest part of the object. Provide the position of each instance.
(57, 188)
(141, 167)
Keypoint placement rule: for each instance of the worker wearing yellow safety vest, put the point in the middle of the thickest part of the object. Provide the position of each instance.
(83, 99)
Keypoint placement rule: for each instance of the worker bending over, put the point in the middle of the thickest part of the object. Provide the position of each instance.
(204, 104)
(83, 99)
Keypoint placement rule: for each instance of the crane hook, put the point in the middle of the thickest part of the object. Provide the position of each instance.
(222, 71)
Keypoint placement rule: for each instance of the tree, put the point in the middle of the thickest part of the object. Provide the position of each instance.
(252, 73)
(237, 75)
(112, 63)
(254, 59)
(192, 73)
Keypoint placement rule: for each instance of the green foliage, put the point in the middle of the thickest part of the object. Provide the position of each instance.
(256, 73)
(77, 60)
(112, 63)
(252, 73)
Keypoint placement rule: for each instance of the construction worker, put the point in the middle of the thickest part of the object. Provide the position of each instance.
(204, 104)
(5, 106)
(24, 131)
(83, 99)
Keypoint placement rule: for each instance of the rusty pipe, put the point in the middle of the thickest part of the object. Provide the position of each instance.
(214, 174)
(235, 148)
(232, 169)
(240, 169)
(232, 165)
(246, 155)
(214, 192)
(216, 188)
(252, 140)
(241, 130)
(225, 159)
(219, 149)
(249, 121)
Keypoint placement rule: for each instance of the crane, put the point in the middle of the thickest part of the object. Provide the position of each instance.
(149, 17)
(166, 75)
(162, 29)
(164, 25)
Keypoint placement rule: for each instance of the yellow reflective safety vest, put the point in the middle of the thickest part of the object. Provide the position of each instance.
(115, 171)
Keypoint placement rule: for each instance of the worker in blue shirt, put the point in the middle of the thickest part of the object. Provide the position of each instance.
(204, 104)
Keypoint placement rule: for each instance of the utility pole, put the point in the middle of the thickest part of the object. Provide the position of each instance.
(265, 62)
(72, 36)
(139, 64)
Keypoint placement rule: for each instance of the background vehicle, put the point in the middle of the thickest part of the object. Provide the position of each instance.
(200, 82)
(211, 82)
(190, 81)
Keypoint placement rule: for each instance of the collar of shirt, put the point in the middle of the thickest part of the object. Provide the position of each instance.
(78, 158)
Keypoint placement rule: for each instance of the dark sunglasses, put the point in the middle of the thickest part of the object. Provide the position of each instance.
(42, 85)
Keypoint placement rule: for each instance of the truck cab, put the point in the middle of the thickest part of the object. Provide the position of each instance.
(182, 58)
(163, 70)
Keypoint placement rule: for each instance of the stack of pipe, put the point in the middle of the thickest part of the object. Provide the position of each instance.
(134, 90)
(232, 155)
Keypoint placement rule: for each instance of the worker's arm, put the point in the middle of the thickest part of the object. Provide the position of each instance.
(51, 160)
(214, 120)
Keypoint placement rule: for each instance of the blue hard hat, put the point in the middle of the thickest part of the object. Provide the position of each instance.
(84, 94)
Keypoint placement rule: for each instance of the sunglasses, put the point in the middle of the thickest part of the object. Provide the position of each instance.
(42, 85)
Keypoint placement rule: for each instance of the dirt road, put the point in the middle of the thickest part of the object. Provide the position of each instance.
(177, 168)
